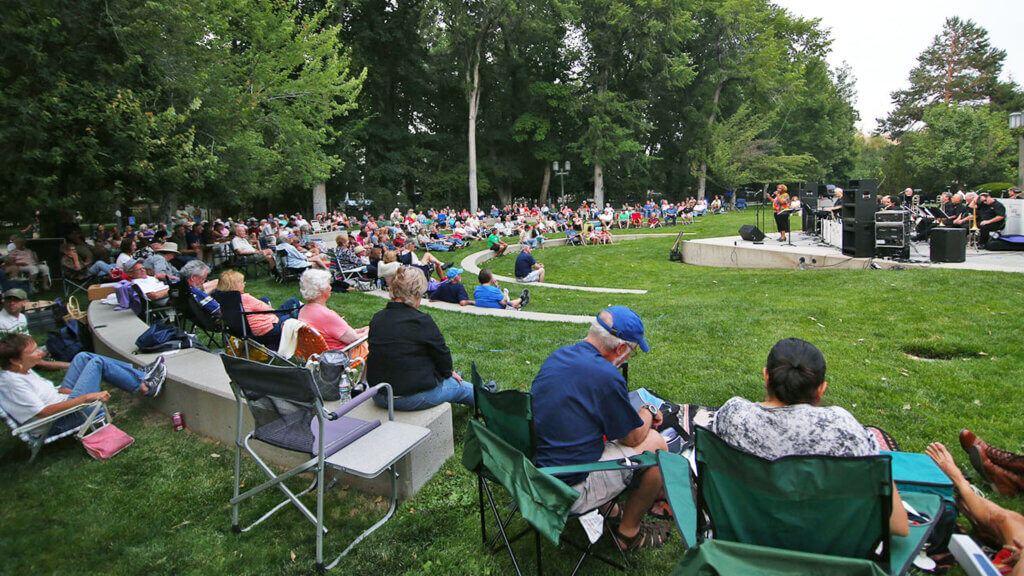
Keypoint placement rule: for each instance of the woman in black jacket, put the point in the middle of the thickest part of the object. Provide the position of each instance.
(408, 351)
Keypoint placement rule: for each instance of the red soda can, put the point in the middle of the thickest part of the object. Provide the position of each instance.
(179, 421)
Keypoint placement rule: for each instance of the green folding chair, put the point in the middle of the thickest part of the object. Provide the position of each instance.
(794, 515)
(501, 450)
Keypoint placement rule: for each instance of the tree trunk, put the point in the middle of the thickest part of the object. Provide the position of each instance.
(473, 79)
(598, 185)
(545, 184)
(703, 179)
(319, 199)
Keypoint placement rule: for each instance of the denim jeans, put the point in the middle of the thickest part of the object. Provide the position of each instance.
(450, 390)
(84, 376)
(99, 268)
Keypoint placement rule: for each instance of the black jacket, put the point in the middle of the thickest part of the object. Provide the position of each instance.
(407, 350)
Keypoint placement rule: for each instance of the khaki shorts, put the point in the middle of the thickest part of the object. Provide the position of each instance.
(600, 487)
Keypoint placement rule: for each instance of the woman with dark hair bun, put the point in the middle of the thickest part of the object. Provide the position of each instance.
(790, 421)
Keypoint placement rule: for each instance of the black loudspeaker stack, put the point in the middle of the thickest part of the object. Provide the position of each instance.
(751, 233)
(858, 212)
(948, 244)
(808, 205)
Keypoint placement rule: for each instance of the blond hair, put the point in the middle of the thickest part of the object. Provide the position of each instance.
(389, 256)
(231, 281)
(408, 285)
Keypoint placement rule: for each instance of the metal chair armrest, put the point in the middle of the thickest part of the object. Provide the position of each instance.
(366, 395)
(30, 426)
(354, 343)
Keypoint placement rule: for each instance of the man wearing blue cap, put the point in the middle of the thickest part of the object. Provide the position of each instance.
(451, 290)
(580, 400)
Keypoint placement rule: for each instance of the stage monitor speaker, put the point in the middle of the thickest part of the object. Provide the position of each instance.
(751, 233)
(948, 244)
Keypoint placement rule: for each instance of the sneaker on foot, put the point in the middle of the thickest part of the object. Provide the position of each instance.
(154, 380)
(524, 297)
(150, 368)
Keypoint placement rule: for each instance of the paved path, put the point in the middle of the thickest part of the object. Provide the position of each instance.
(514, 314)
(472, 263)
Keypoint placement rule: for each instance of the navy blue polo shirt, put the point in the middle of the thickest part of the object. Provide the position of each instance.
(450, 292)
(524, 264)
(579, 398)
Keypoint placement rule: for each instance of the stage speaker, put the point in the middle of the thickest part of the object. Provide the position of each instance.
(751, 233)
(948, 244)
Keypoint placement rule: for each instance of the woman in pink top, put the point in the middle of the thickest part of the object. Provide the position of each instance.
(315, 287)
(259, 324)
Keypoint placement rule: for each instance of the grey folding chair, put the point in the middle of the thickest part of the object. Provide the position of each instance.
(36, 433)
(289, 414)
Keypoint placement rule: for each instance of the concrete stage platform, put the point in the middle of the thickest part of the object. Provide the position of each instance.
(810, 252)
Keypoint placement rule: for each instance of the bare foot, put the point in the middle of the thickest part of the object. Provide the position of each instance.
(944, 460)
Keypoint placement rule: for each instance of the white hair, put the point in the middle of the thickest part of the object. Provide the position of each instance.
(313, 283)
(194, 268)
(959, 195)
(606, 342)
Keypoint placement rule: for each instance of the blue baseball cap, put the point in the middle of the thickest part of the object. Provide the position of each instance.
(453, 272)
(626, 325)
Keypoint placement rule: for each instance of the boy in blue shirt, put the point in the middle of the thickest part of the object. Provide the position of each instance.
(488, 295)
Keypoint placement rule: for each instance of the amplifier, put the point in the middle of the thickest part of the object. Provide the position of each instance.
(891, 234)
(892, 216)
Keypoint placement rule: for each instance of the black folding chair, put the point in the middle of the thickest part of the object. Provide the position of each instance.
(288, 413)
(282, 273)
(235, 323)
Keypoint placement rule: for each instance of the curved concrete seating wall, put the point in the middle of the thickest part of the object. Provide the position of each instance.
(198, 387)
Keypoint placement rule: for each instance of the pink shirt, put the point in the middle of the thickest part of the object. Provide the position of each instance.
(260, 324)
(327, 322)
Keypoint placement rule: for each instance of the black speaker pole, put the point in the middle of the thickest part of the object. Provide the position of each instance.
(760, 219)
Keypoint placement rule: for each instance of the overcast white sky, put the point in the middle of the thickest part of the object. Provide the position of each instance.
(881, 39)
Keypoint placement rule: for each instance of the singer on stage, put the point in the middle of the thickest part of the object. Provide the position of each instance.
(780, 202)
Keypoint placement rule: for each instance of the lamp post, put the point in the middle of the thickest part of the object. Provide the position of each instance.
(561, 174)
(1016, 123)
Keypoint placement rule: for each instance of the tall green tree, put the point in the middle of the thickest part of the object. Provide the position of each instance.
(960, 66)
(961, 146)
(630, 48)
(222, 101)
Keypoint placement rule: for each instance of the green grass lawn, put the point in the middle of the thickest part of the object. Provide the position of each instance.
(161, 506)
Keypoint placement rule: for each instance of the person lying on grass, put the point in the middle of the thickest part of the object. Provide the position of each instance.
(789, 421)
(26, 395)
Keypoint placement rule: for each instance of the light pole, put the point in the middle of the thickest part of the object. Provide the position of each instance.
(561, 174)
(1016, 123)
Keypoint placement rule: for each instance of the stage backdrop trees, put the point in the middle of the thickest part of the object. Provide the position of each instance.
(630, 47)
(960, 66)
(961, 146)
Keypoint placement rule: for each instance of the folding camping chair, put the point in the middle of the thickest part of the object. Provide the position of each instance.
(36, 433)
(353, 276)
(193, 319)
(502, 451)
(150, 309)
(784, 516)
(289, 414)
(310, 344)
(282, 273)
(235, 324)
(71, 287)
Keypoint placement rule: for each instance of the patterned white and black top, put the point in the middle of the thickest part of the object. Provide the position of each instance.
(799, 429)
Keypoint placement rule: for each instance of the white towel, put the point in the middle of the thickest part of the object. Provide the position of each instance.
(289, 337)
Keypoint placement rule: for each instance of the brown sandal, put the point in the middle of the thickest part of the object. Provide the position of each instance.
(649, 536)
